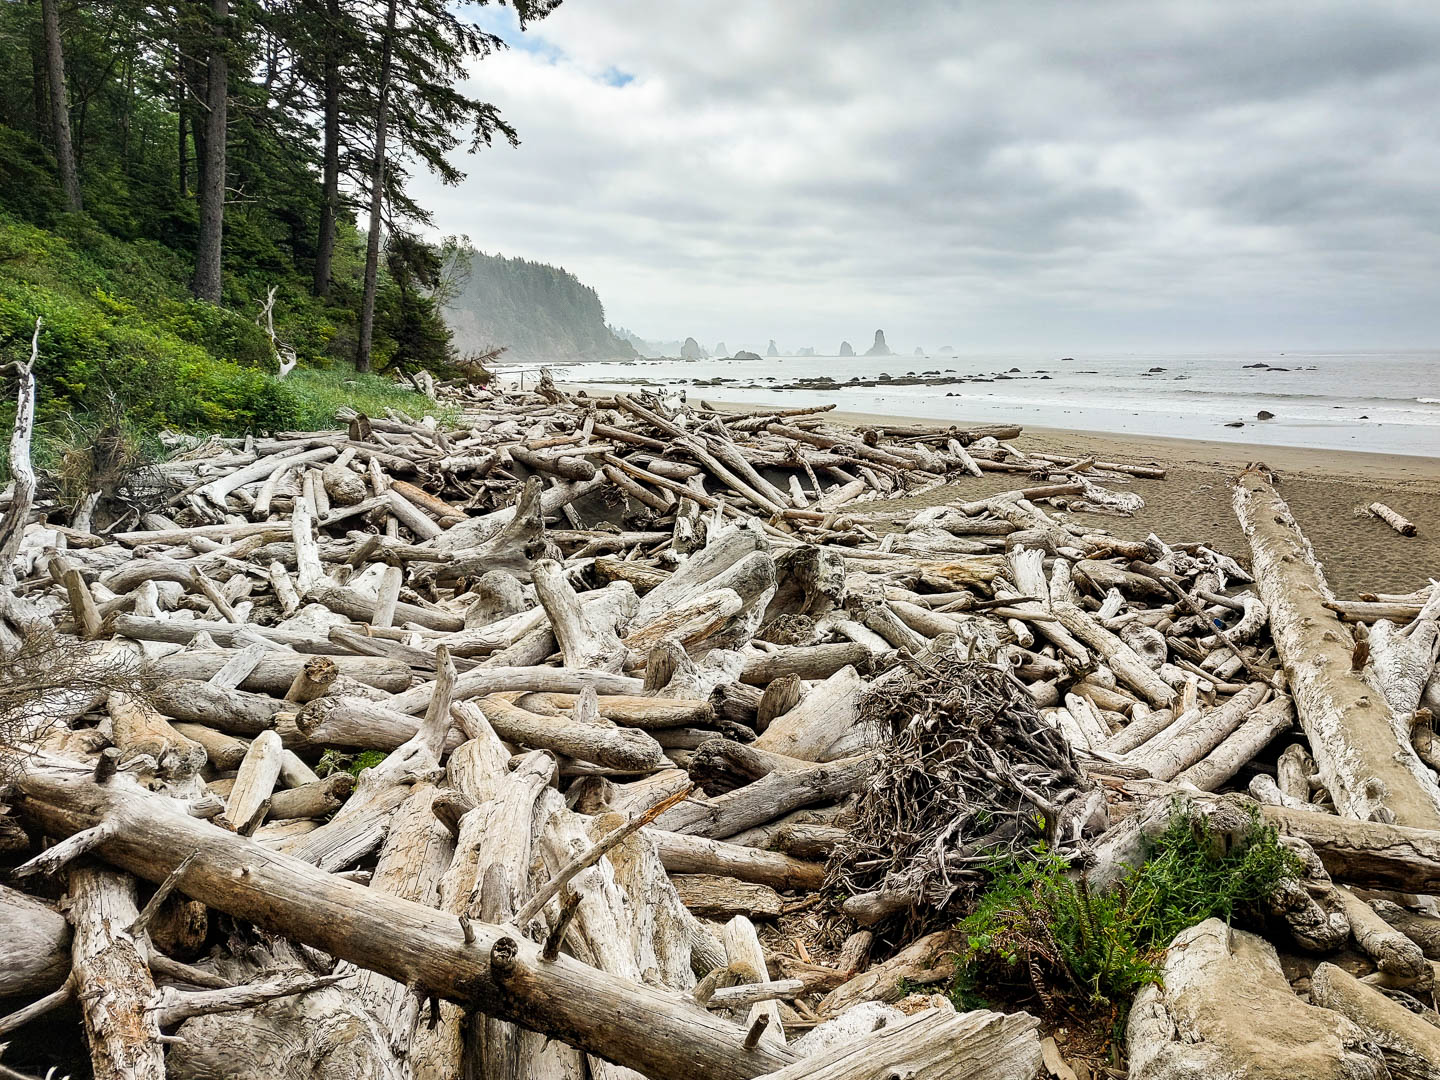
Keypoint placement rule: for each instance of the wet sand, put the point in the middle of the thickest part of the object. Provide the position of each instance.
(1325, 488)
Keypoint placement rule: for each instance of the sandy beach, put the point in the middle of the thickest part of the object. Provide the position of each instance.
(1327, 490)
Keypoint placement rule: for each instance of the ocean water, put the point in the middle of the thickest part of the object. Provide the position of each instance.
(1383, 402)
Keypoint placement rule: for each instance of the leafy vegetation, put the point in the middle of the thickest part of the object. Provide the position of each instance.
(125, 352)
(333, 761)
(148, 246)
(1090, 952)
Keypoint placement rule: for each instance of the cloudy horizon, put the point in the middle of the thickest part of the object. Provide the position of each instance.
(1043, 177)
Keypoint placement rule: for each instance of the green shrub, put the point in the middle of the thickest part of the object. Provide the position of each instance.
(1038, 926)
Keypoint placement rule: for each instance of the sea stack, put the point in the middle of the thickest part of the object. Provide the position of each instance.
(691, 350)
(845, 349)
(879, 348)
(721, 350)
(919, 351)
(772, 350)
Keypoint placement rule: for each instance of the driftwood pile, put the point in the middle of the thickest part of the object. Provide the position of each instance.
(685, 729)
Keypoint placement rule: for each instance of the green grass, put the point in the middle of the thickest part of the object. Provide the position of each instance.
(321, 391)
(1036, 927)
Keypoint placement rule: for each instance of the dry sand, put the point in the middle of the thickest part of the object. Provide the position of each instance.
(1324, 488)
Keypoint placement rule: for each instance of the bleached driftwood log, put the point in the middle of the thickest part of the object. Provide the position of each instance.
(1370, 772)
(495, 972)
(931, 1045)
(34, 945)
(1394, 953)
(823, 726)
(1402, 525)
(22, 472)
(112, 981)
(1411, 1045)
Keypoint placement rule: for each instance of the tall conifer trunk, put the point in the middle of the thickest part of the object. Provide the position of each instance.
(212, 172)
(330, 176)
(377, 198)
(60, 105)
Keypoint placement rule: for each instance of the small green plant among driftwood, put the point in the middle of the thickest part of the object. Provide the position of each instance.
(1087, 952)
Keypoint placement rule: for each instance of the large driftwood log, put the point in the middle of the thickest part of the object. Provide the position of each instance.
(274, 673)
(682, 853)
(714, 896)
(1370, 770)
(494, 971)
(1196, 734)
(768, 798)
(603, 743)
(1366, 853)
(1241, 746)
(1394, 953)
(218, 707)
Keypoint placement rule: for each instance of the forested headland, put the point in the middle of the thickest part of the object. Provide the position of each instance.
(534, 310)
(193, 194)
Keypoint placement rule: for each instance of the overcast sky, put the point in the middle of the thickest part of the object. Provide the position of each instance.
(1179, 175)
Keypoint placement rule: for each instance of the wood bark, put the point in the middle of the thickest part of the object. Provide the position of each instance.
(378, 162)
(60, 106)
(207, 282)
(112, 981)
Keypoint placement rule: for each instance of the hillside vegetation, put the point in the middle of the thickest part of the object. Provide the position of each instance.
(169, 171)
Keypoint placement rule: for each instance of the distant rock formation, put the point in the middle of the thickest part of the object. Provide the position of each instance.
(845, 349)
(808, 350)
(772, 350)
(691, 350)
(919, 351)
(721, 350)
(745, 354)
(879, 348)
(947, 350)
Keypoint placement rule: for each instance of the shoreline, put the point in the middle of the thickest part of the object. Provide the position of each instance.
(1327, 490)
(1316, 462)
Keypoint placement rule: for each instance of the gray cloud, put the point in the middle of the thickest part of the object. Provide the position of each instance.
(1049, 176)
